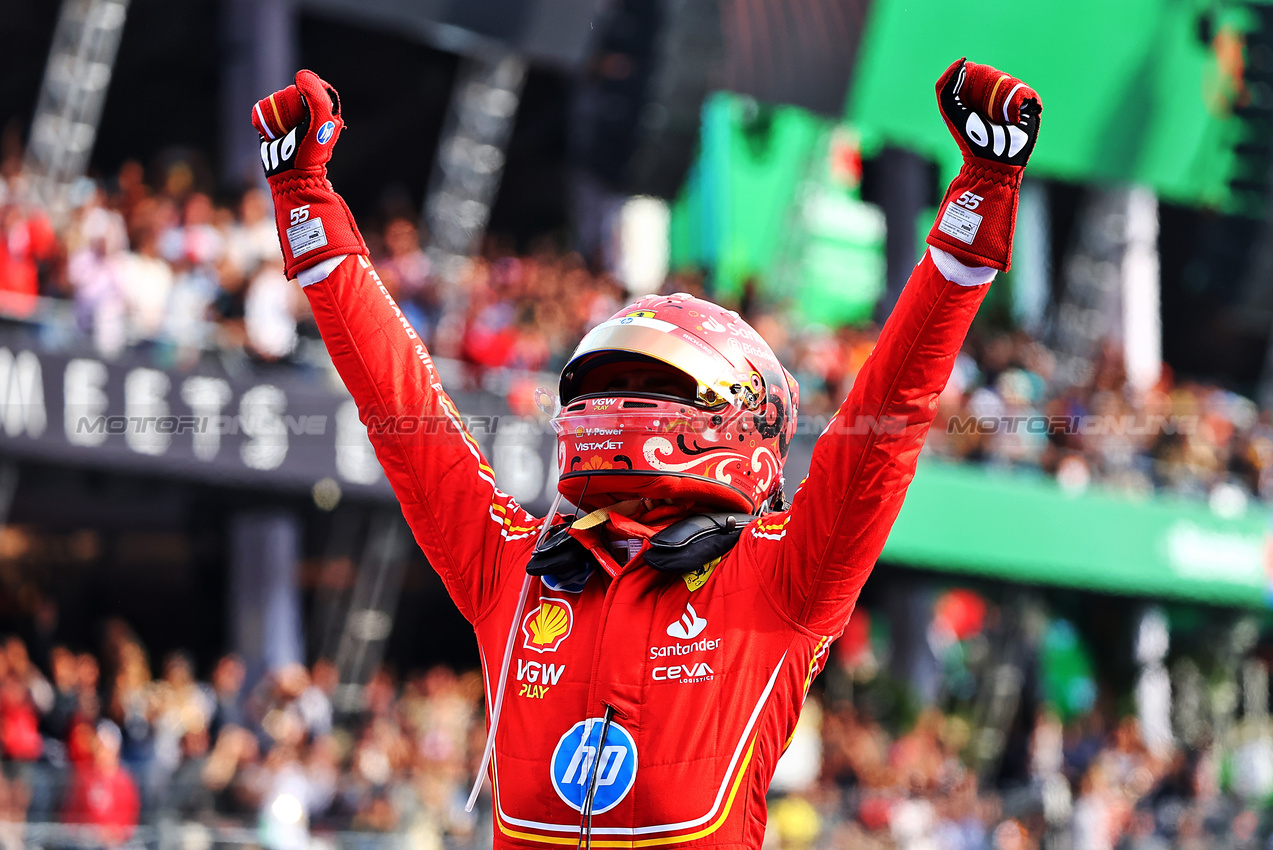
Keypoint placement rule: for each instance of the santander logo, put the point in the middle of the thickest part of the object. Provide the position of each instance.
(689, 626)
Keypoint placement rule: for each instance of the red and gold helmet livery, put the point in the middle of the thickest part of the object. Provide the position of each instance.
(674, 398)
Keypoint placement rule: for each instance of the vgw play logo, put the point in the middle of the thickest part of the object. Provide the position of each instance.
(573, 760)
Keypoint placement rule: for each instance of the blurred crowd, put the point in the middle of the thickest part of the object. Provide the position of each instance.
(167, 265)
(1006, 405)
(162, 264)
(1182, 437)
(100, 741)
(1091, 783)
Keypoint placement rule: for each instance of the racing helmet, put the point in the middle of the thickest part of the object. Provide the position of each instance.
(676, 398)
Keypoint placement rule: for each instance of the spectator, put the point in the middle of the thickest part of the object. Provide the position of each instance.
(193, 250)
(103, 795)
(288, 797)
(13, 811)
(66, 697)
(405, 270)
(27, 241)
(82, 731)
(97, 273)
(187, 795)
(195, 241)
(227, 690)
(270, 311)
(181, 706)
(19, 723)
(252, 239)
(148, 285)
(24, 696)
(314, 703)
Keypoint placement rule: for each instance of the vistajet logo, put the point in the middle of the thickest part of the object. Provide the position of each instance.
(602, 446)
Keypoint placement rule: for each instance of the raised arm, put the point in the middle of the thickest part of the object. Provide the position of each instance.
(458, 516)
(819, 553)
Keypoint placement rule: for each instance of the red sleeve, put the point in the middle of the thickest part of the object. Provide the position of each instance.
(461, 520)
(817, 555)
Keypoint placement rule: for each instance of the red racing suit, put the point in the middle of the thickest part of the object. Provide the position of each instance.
(705, 673)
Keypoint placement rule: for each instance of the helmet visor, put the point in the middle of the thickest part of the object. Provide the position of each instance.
(717, 379)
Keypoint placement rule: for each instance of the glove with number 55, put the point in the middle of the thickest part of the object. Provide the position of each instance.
(995, 119)
(299, 127)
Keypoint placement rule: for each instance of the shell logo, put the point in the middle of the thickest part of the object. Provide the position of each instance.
(545, 627)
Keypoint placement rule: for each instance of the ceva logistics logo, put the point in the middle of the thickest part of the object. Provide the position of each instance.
(572, 765)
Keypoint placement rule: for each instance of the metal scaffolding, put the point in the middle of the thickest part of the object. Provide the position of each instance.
(374, 600)
(470, 157)
(76, 80)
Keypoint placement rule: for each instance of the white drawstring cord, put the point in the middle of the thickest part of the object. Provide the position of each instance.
(499, 697)
(503, 669)
(585, 823)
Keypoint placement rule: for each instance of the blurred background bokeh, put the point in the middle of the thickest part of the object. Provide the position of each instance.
(215, 629)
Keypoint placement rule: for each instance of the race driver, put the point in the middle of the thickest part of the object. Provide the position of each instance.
(646, 658)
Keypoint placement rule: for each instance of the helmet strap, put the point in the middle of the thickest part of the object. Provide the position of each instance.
(777, 500)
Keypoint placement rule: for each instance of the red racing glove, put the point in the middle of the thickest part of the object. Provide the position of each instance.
(299, 127)
(995, 120)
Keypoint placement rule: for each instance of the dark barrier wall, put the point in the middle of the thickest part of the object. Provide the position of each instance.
(281, 428)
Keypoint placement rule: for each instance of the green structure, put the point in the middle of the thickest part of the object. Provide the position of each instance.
(1138, 91)
(773, 196)
(1024, 528)
(1135, 91)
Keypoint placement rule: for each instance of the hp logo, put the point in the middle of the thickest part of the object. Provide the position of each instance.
(572, 765)
(325, 132)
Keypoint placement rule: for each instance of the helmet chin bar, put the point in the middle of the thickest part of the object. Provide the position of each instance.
(600, 489)
(775, 501)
